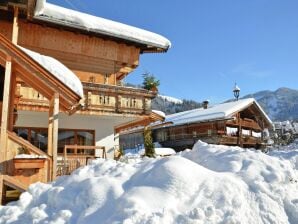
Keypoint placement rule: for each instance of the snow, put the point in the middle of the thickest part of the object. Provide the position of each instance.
(63, 16)
(160, 113)
(232, 131)
(164, 151)
(139, 151)
(209, 184)
(59, 70)
(236, 88)
(246, 132)
(215, 112)
(256, 134)
(29, 156)
(171, 99)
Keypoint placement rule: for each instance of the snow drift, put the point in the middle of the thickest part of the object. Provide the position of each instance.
(210, 184)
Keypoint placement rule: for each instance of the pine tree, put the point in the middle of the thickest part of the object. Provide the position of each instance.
(148, 142)
(150, 82)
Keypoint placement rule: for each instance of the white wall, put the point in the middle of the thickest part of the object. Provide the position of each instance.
(103, 125)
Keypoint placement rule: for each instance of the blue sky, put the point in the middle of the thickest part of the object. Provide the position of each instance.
(215, 43)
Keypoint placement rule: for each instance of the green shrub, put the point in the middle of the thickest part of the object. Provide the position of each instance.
(148, 142)
(150, 82)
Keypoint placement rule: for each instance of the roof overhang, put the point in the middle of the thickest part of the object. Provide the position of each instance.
(268, 123)
(29, 8)
(212, 114)
(36, 76)
(54, 15)
(141, 122)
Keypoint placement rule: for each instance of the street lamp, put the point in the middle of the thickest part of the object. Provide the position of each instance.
(236, 91)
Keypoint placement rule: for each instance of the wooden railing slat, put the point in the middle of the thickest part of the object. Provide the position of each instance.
(72, 161)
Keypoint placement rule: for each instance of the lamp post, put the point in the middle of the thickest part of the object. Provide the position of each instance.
(236, 91)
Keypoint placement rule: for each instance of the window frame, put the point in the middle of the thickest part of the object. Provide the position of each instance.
(38, 129)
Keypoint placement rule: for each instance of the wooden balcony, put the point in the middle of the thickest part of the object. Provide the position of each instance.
(245, 140)
(75, 156)
(245, 123)
(100, 99)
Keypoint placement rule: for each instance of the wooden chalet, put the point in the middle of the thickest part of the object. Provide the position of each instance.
(61, 64)
(241, 123)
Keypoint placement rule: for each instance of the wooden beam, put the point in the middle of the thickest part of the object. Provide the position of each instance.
(14, 183)
(55, 133)
(34, 73)
(2, 190)
(11, 116)
(240, 143)
(4, 118)
(15, 28)
(50, 138)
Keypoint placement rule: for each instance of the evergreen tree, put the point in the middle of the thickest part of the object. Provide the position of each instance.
(150, 82)
(148, 142)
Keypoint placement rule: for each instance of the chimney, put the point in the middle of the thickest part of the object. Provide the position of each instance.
(205, 104)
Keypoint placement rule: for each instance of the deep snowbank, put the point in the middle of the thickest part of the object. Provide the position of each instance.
(210, 184)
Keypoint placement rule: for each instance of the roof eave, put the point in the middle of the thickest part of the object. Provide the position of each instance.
(69, 99)
(146, 47)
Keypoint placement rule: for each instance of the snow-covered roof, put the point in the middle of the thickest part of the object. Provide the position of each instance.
(59, 70)
(216, 112)
(71, 18)
(160, 113)
(171, 99)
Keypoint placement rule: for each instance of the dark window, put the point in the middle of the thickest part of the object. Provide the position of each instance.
(39, 137)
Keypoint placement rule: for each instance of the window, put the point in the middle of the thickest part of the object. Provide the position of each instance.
(232, 131)
(65, 137)
(256, 134)
(246, 132)
(194, 134)
(39, 137)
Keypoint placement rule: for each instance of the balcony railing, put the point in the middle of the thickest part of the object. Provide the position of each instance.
(75, 156)
(99, 99)
(245, 123)
(20, 3)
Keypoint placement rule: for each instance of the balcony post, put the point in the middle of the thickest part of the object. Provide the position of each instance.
(4, 123)
(146, 106)
(89, 99)
(53, 133)
(15, 29)
(5, 113)
(118, 103)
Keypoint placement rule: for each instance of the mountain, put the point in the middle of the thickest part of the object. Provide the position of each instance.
(280, 105)
(171, 105)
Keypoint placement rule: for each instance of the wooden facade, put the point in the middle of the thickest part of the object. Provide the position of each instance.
(100, 65)
(100, 61)
(213, 132)
(100, 99)
(243, 128)
(19, 66)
